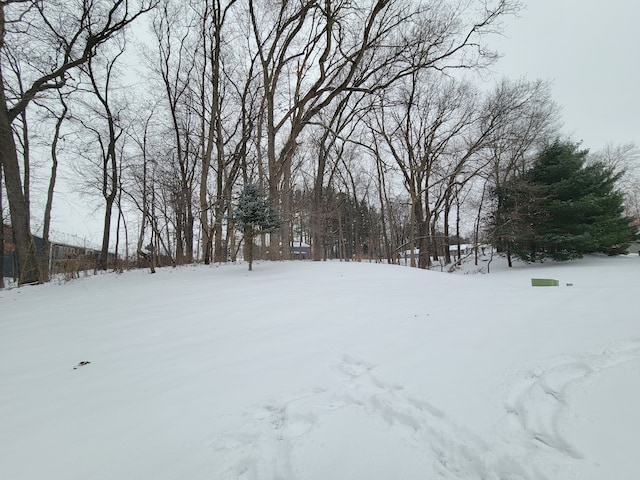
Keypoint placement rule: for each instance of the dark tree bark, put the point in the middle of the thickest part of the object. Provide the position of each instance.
(25, 250)
(110, 178)
(1, 235)
(73, 45)
(52, 179)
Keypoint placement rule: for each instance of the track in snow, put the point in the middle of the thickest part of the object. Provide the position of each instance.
(360, 420)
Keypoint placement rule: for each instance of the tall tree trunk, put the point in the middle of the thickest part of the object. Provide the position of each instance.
(189, 233)
(435, 244)
(1, 235)
(106, 232)
(204, 208)
(46, 247)
(26, 164)
(218, 254)
(477, 225)
(248, 245)
(385, 211)
(458, 205)
(109, 191)
(422, 220)
(316, 235)
(145, 206)
(154, 232)
(18, 205)
(447, 240)
(316, 206)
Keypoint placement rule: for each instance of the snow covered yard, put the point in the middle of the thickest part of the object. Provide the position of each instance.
(317, 371)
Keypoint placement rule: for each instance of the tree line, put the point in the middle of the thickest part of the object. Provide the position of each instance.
(365, 123)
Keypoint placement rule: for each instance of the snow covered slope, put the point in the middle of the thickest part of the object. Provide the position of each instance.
(319, 371)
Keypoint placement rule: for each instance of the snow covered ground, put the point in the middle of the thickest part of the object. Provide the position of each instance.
(317, 371)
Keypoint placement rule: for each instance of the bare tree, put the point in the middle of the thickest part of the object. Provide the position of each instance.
(336, 125)
(108, 114)
(529, 120)
(329, 48)
(443, 136)
(420, 126)
(213, 18)
(173, 26)
(624, 158)
(57, 135)
(207, 109)
(62, 36)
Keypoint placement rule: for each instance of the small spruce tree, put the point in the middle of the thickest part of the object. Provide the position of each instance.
(254, 214)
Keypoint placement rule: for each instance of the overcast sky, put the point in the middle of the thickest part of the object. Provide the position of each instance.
(589, 49)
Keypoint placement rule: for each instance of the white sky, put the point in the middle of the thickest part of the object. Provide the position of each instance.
(588, 49)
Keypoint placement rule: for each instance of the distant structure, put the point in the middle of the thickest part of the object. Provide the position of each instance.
(301, 251)
(59, 256)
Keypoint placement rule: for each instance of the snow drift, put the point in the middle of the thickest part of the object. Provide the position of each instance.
(303, 370)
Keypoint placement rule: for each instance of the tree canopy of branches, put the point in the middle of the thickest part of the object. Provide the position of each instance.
(366, 123)
(43, 43)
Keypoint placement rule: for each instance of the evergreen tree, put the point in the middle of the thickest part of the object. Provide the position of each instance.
(562, 208)
(254, 214)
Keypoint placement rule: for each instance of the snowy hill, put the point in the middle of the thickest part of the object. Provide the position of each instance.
(320, 371)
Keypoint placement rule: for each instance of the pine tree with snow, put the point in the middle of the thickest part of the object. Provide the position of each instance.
(254, 214)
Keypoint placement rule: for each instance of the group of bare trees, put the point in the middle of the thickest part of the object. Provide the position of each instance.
(44, 47)
(365, 122)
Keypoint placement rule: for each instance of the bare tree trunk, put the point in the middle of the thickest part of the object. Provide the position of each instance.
(447, 240)
(18, 206)
(106, 232)
(188, 229)
(18, 200)
(175, 67)
(218, 254)
(154, 233)
(341, 246)
(385, 211)
(458, 241)
(232, 241)
(478, 222)
(144, 258)
(286, 213)
(52, 180)
(435, 243)
(110, 177)
(1, 235)
(83, 41)
(116, 262)
(248, 246)
(26, 163)
(316, 203)
(121, 221)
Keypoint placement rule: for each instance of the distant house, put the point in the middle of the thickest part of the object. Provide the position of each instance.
(465, 249)
(301, 251)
